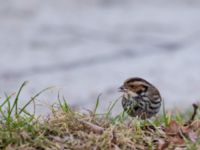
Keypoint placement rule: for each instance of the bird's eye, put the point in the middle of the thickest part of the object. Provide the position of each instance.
(139, 91)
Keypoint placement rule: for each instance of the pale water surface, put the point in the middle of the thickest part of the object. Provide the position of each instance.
(88, 47)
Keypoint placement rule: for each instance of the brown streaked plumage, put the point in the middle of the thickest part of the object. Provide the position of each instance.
(140, 98)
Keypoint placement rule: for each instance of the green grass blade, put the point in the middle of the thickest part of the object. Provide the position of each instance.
(164, 114)
(15, 104)
(66, 105)
(59, 101)
(111, 107)
(97, 104)
(32, 99)
(3, 114)
(6, 101)
(32, 116)
(8, 104)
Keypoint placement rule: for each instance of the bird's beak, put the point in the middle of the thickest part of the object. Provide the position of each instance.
(121, 88)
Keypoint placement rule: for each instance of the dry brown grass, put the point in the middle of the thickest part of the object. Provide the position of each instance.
(67, 129)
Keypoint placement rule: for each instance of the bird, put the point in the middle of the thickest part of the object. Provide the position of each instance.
(140, 98)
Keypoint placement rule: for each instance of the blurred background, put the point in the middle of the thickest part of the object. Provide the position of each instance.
(87, 47)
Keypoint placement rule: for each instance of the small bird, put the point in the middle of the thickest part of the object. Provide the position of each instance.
(140, 98)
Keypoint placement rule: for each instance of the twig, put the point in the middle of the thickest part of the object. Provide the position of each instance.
(95, 128)
(113, 138)
(195, 107)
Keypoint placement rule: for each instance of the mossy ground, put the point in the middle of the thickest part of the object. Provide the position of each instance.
(70, 129)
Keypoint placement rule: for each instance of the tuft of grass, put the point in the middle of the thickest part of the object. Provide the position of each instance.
(63, 104)
(16, 123)
(67, 128)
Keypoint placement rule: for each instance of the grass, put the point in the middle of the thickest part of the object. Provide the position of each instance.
(68, 129)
